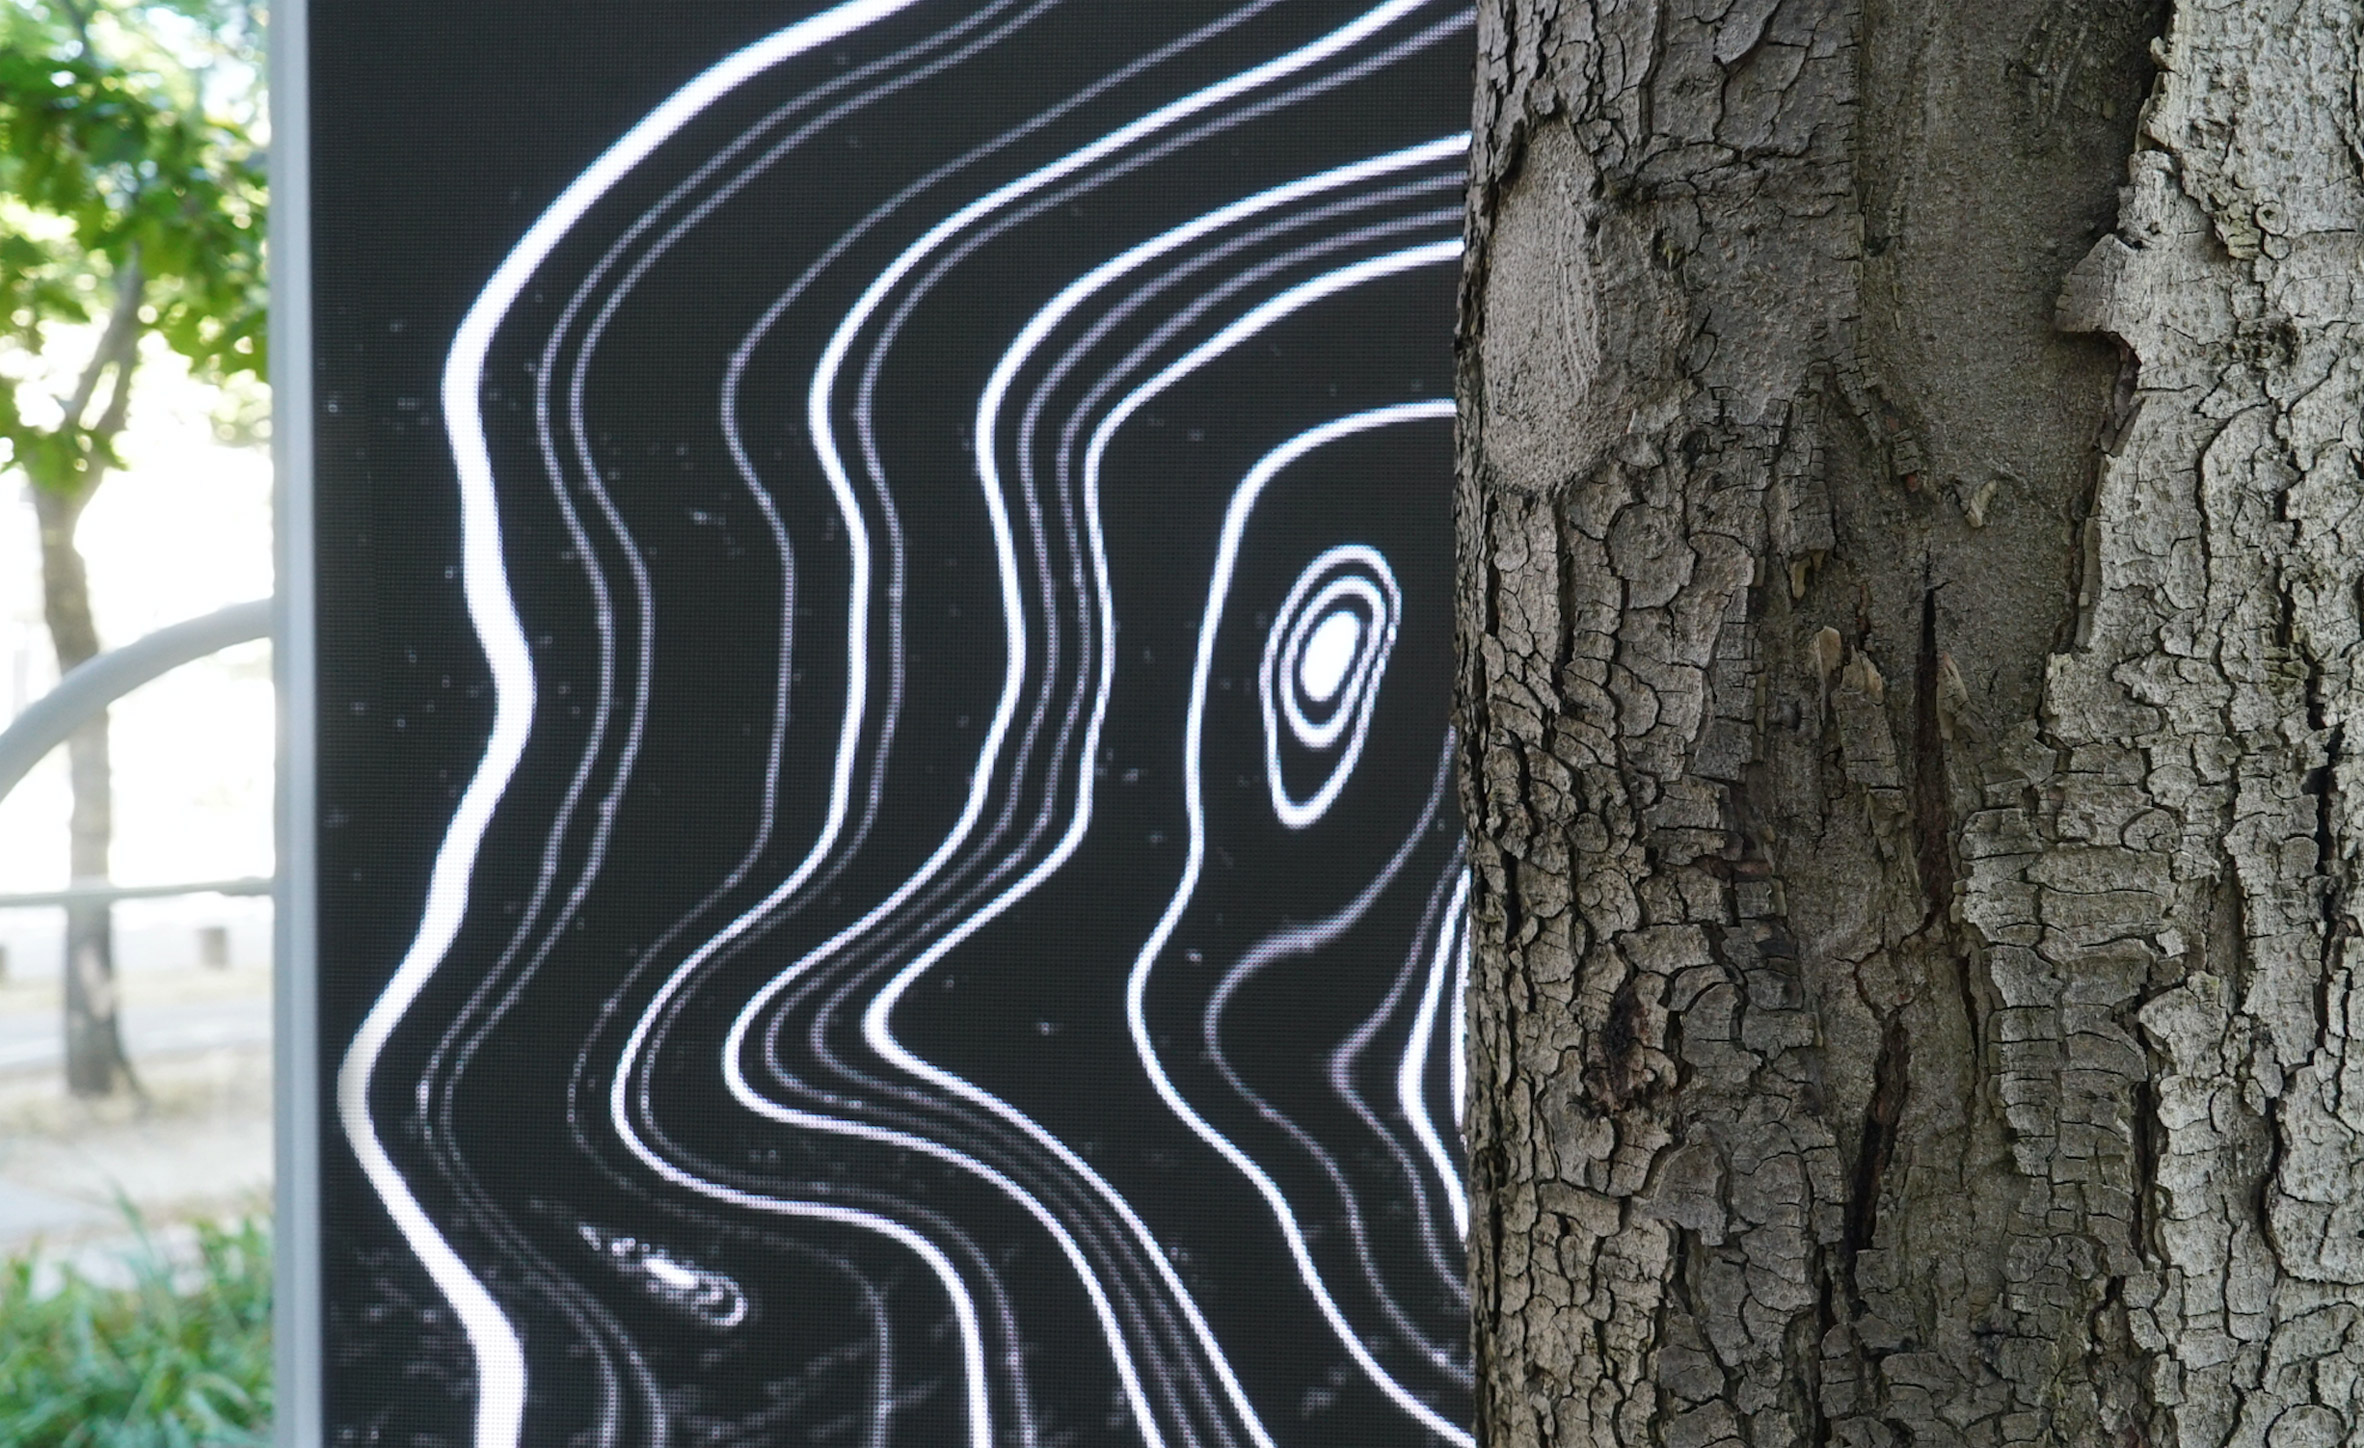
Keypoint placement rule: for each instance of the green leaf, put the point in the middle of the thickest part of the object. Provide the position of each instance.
(109, 159)
(165, 1361)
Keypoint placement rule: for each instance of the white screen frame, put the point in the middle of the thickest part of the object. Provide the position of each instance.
(296, 1304)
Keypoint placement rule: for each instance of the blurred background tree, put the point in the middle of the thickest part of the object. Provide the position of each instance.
(131, 218)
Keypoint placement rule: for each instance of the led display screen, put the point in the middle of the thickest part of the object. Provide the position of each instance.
(887, 862)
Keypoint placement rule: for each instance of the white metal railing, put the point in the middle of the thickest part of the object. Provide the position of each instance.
(100, 893)
(84, 693)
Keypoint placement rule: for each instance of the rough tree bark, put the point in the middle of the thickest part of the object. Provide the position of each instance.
(1912, 525)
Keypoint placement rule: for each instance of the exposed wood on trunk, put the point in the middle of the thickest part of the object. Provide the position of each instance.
(1910, 582)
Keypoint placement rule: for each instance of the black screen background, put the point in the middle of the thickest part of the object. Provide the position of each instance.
(439, 133)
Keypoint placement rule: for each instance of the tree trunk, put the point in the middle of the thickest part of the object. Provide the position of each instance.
(95, 1062)
(1910, 612)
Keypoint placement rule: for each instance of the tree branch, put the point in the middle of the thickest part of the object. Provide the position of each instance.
(117, 342)
(124, 349)
(80, 15)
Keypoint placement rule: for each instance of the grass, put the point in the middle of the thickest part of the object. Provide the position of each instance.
(180, 1358)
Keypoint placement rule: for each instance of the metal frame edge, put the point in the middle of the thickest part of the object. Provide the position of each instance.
(297, 1310)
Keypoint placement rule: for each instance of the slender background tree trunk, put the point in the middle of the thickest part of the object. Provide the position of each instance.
(1910, 516)
(95, 1061)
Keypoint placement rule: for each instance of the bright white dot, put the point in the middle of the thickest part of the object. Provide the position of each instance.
(1329, 654)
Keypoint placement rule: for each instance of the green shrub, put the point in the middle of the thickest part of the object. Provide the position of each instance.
(181, 1358)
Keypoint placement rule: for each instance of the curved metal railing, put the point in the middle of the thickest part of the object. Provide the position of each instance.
(87, 690)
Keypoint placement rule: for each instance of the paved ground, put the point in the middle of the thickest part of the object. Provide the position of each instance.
(198, 1144)
(33, 1040)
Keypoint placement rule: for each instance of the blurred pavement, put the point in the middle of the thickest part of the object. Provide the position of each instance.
(198, 1144)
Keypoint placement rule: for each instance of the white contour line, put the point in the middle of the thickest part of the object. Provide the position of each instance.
(876, 1029)
(1386, 602)
(492, 1339)
(1234, 525)
(833, 465)
(492, 612)
(1306, 629)
(1315, 651)
(1313, 618)
(818, 404)
(1303, 940)
(1457, 1066)
(1349, 1053)
(879, 1038)
(1411, 1077)
(1304, 620)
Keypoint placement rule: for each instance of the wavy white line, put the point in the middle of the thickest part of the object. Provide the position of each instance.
(1136, 987)
(492, 611)
(1412, 1074)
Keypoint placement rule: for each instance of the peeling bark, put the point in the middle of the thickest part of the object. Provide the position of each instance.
(1911, 571)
